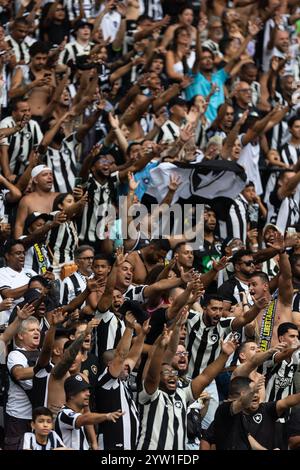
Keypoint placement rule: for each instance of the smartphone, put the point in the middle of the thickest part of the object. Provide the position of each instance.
(78, 181)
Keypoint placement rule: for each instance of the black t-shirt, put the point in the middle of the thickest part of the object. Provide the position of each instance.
(230, 289)
(91, 368)
(231, 431)
(293, 425)
(157, 321)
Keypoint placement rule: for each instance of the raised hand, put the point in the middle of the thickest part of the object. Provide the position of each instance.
(165, 337)
(186, 276)
(187, 133)
(229, 346)
(120, 256)
(115, 415)
(95, 285)
(113, 121)
(143, 329)
(91, 325)
(220, 264)
(131, 181)
(130, 320)
(57, 316)
(174, 182)
(26, 311)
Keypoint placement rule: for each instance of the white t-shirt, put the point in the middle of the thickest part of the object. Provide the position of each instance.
(249, 160)
(110, 25)
(11, 279)
(18, 404)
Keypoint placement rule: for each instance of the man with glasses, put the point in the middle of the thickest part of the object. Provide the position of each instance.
(76, 283)
(230, 290)
(14, 277)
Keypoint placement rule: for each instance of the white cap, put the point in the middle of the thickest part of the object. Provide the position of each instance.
(38, 169)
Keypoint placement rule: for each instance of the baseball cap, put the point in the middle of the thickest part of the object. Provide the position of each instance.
(34, 216)
(177, 101)
(75, 384)
(273, 226)
(81, 24)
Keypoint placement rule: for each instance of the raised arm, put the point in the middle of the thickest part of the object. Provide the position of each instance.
(152, 378)
(200, 382)
(123, 347)
(250, 315)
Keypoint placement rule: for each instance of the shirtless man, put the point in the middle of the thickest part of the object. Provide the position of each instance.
(251, 358)
(40, 200)
(145, 259)
(259, 286)
(35, 80)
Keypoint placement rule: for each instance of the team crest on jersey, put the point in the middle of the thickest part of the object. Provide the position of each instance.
(78, 377)
(257, 418)
(94, 369)
(178, 404)
(214, 338)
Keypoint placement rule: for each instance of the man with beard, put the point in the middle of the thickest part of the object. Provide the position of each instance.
(113, 390)
(204, 332)
(195, 412)
(230, 290)
(223, 123)
(147, 258)
(76, 283)
(164, 404)
(279, 309)
(249, 424)
(39, 200)
(212, 243)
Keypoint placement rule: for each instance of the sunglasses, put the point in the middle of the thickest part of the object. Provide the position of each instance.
(248, 263)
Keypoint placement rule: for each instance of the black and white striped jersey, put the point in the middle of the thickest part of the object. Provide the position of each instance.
(71, 287)
(62, 241)
(169, 132)
(114, 394)
(296, 302)
(91, 224)
(21, 143)
(65, 426)
(290, 154)
(63, 164)
(280, 377)
(163, 419)
(29, 442)
(152, 8)
(235, 225)
(286, 212)
(108, 332)
(74, 50)
(20, 50)
(73, 8)
(203, 342)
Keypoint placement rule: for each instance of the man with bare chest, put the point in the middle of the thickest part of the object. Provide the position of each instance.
(35, 80)
(40, 200)
(145, 259)
(279, 309)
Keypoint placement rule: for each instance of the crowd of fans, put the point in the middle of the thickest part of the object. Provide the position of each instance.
(168, 336)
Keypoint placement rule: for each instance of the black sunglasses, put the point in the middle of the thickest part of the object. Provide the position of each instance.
(248, 263)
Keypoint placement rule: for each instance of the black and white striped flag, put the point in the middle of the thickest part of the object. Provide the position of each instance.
(214, 182)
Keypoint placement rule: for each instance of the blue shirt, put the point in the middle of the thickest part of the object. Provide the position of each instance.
(201, 86)
(144, 179)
